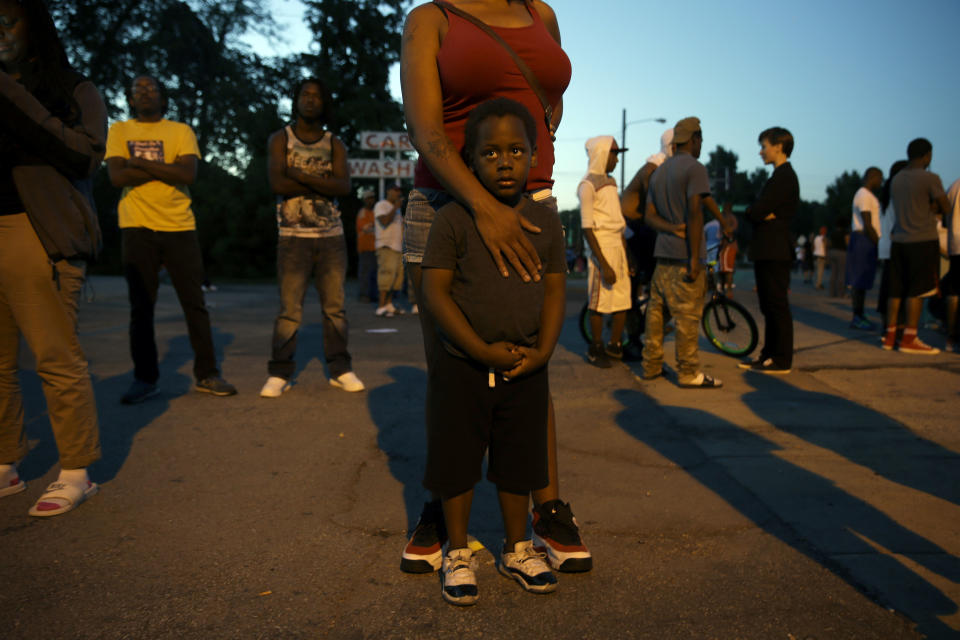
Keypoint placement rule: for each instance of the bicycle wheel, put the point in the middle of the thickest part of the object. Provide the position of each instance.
(587, 333)
(730, 327)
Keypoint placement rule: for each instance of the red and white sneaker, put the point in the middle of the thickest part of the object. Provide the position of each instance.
(890, 339)
(913, 344)
(556, 533)
(423, 552)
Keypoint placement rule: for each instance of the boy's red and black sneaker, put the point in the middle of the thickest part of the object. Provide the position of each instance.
(556, 533)
(423, 552)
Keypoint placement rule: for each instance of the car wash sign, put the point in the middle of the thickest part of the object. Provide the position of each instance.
(385, 141)
(392, 163)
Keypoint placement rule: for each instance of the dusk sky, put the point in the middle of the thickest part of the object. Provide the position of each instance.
(853, 81)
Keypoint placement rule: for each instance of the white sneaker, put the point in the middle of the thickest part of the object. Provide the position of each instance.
(458, 578)
(385, 311)
(348, 382)
(415, 309)
(274, 387)
(528, 567)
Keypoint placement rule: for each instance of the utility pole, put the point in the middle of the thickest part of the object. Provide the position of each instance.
(623, 141)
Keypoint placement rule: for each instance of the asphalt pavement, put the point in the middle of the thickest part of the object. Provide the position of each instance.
(821, 504)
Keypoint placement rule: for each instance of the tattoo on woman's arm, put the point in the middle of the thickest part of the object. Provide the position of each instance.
(439, 146)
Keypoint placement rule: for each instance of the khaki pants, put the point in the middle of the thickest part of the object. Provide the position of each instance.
(685, 302)
(39, 300)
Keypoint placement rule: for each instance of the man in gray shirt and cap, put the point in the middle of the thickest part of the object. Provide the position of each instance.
(675, 209)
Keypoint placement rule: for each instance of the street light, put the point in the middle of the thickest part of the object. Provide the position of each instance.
(623, 141)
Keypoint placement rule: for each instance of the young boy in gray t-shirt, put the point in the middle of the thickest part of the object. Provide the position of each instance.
(488, 386)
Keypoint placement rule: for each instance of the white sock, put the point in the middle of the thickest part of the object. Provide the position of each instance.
(76, 477)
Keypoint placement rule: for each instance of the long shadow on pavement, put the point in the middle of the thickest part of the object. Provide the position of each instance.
(397, 409)
(806, 511)
(119, 424)
(861, 435)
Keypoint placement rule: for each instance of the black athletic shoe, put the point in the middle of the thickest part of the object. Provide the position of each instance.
(556, 533)
(597, 356)
(614, 350)
(769, 366)
(215, 385)
(423, 552)
(139, 391)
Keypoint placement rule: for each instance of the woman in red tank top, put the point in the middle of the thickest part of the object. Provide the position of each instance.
(449, 66)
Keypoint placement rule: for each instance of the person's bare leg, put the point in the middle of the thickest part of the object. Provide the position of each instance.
(596, 327)
(616, 326)
(893, 310)
(552, 490)
(384, 297)
(456, 514)
(952, 304)
(513, 507)
(913, 311)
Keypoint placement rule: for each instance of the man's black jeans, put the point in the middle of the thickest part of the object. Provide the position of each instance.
(144, 252)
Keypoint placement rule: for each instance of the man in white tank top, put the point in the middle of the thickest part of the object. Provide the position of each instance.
(307, 168)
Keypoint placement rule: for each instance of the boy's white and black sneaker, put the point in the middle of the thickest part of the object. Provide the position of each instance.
(556, 533)
(423, 552)
(458, 578)
(529, 567)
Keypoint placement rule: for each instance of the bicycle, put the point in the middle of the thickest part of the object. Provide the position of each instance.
(726, 323)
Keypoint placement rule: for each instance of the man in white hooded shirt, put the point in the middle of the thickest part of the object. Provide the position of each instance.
(608, 273)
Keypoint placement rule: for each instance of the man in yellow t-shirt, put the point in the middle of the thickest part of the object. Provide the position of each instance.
(155, 160)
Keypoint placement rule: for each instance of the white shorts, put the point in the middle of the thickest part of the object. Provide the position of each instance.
(609, 299)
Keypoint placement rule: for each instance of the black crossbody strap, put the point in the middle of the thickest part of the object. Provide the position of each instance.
(521, 65)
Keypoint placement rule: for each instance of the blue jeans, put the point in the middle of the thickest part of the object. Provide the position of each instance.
(326, 260)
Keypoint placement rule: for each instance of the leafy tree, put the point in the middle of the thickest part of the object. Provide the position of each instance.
(354, 46)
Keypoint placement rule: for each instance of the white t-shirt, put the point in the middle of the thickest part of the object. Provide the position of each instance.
(865, 202)
(819, 247)
(391, 235)
(600, 209)
(952, 219)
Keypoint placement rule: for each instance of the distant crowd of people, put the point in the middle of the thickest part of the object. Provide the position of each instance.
(907, 228)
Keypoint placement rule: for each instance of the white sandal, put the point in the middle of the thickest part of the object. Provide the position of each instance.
(61, 497)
